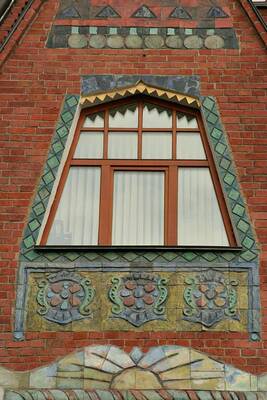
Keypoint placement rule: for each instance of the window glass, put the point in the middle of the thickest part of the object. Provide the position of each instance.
(186, 121)
(189, 146)
(156, 117)
(94, 121)
(138, 208)
(122, 145)
(157, 145)
(90, 145)
(77, 216)
(200, 221)
(124, 117)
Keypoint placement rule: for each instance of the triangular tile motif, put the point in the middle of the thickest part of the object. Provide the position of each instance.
(69, 12)
(216, 12)
(180, 12)
(143, 12)
(108, 12)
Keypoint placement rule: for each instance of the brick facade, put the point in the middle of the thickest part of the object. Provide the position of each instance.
(34, 81)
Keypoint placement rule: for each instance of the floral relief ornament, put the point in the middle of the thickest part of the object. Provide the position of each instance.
(138, 298)
(210, 298)
(65, 297)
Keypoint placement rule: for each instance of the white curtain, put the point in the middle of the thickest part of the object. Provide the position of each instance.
(77, 217)
(200, 221)
(138, 208)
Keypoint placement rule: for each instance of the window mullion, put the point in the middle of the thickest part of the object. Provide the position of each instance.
(171, 214)
(105, 211)
(140, 128)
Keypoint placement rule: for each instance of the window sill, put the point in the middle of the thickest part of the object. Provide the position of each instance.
(135, 248)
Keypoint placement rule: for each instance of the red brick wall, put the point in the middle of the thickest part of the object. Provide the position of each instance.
(33, 83)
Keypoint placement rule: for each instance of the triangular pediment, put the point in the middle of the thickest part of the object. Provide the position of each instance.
(140, 88)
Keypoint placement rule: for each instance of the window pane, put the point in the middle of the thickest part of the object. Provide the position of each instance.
(199, 218)
(122, 145)
(157, 145)
(90, 145)
(189, 146)
(186, 121)
(94, 121)
(76, 220)
(156, 117)
(138, 208)
(124, 117)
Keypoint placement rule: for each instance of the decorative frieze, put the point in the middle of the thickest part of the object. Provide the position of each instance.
(98, 37)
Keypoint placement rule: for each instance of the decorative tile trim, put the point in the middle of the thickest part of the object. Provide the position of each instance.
(79, 394)
(99, 37)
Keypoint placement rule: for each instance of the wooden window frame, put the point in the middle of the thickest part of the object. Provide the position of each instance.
(169, 166)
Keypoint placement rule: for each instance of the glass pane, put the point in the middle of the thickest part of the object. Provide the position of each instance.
(156, 117)
(138, 208)
(90, 145)
(200, 221)
(76, 220)
(189, 146)
(186, 121)
(124, 117)
(122, 145)
(94, 121)
(157, 145)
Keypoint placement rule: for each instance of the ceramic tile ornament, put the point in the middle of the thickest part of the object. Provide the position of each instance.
(210, 298)
(138, 298)
(65, 297)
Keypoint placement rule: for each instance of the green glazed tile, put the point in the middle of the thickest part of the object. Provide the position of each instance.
(229, 178)
(239, 210)
(248, 242)
(243, 226)
(220, 148)
(39, 209)
(225, 163)
(233, 194)
(34, 224)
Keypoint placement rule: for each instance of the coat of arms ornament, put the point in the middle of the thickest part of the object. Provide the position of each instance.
(210, 298)
(138, 298)
(65, 297)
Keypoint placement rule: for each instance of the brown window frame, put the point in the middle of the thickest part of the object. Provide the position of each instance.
(169, 166)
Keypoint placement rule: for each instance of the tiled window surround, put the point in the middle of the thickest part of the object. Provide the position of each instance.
(245, 259)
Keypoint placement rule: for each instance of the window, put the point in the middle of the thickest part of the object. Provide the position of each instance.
(139, 173)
